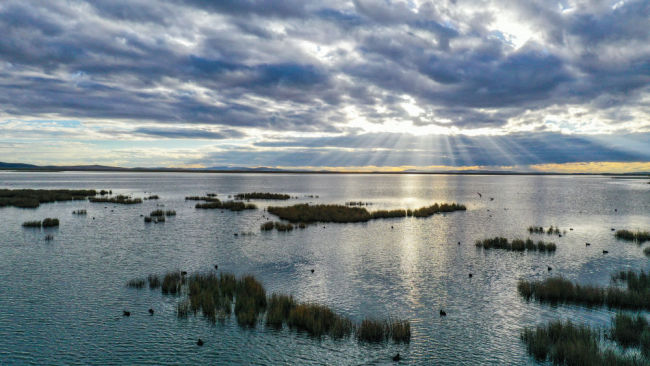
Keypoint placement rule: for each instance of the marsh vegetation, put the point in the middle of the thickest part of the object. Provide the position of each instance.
(119, 199)
(81, 212)
(567, 343)
(635, 236)
(32, 198)
(50, 222)
(216, 296)
(517, 245)
(262, 196)
(558, 290)
(344, 214)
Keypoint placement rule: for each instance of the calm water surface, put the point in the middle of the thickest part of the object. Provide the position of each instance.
(61, 301)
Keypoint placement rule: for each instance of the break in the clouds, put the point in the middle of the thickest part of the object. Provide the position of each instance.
(338, 83)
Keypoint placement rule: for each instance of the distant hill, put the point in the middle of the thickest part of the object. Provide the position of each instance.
(239, 169)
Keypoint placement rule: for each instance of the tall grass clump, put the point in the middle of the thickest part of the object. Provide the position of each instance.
(136, 283)
(536, 230)
(638, 236)
(279, 307)
(517, 245)
(119, 199)
(50, 222)
(80, 212)
(203, 198)
(250, 300)
(267, 226)
(627, 330)
(170, 213)
(32, 198)
(564, 344)
(34, 223)
(262, 196)
(157, 213)
(154, 281)
(172, 283)
(559, 290)
(372, 330)
(318, 320)
(387, 214)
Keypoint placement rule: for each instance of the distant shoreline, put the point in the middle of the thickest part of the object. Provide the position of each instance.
(314, 172)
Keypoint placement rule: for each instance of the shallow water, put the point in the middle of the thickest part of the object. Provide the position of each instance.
(61, 301)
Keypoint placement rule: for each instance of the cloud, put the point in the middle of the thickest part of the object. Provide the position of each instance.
(194, 69)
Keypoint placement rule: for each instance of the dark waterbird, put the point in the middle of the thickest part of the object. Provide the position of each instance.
(479, 194)
(199, 342)
(397, 357)
(549, 268)
(183, 273)
(312, 271)
(151, 311)
(605, 252)
(216, 266)
(587, 244)
(470, 275)
(126, 313)
(442, 313)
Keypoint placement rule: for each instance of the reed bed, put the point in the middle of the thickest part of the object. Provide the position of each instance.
(556, 290)
(119, 199)
(566, 343)
(267, 226)
(262, 196)
(170, 213)
(203, 198)
(81, 212)
(34, 224)
(157, 213)
(438, 208)
(345, 214)
(226, 205)
(517, 245)
(628, 331)
(136, 283)
(153, 197)
(639, 237)
(32, 198)
(216, 296)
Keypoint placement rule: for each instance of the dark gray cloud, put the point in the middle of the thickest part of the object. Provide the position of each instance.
(295, 66)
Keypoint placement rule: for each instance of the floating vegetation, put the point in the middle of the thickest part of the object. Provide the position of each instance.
(136, 283)
(227, 205)
(211, 194)
(518, 245)
(32, 224)
(638, 236)
(147, 219)
(170, 213)
(566, 343)
(32, 198)
(262, 196)
(556, 290)
(216, 296)
(79, 212)
(50, 222)
(119, 199)
(104, 192)
(153, 197)
(341, 213)
(536, 230)
(279, 226)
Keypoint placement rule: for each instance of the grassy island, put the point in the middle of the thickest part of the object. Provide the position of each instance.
(32, 198)
(517, 245)
(262, 196)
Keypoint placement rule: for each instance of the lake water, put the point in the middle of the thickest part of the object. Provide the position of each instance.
(61, 301)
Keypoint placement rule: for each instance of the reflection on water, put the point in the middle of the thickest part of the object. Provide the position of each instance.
(61, 301)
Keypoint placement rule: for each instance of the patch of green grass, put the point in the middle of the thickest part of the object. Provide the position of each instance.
(262, 196)
(516, 245)
(32, 198)
(638, 236)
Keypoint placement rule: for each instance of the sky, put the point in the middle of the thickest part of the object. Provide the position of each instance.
(358, 85)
